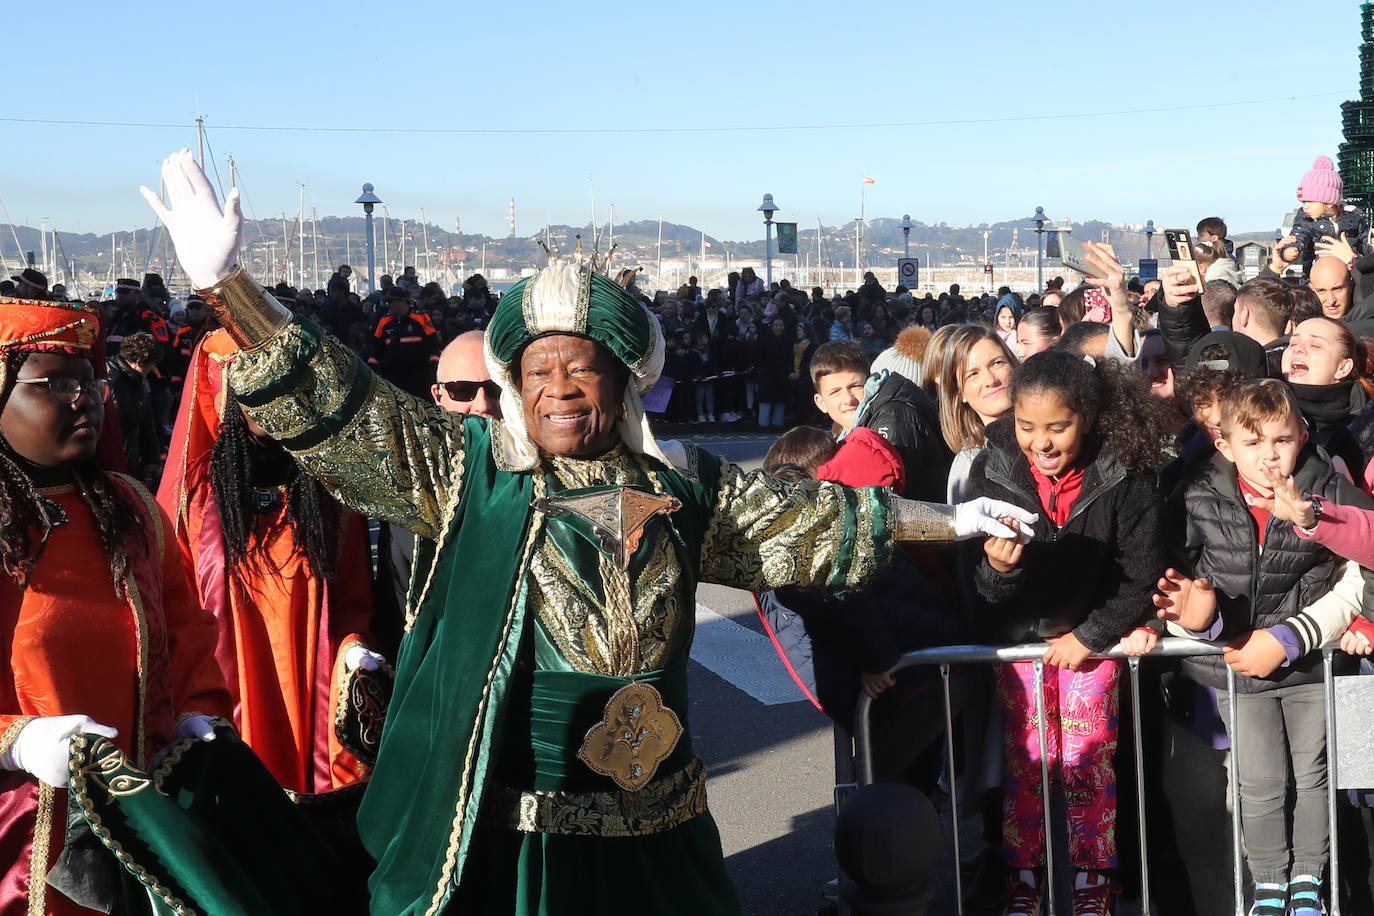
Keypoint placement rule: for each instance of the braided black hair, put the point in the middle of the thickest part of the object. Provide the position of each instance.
(237, 462)
(22, 509)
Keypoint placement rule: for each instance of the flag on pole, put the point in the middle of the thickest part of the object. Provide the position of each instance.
(867, 180)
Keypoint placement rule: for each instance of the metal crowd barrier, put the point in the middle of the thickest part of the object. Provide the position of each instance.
(1169, 647)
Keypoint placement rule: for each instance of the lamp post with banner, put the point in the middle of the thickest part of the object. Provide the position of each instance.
(768, 208)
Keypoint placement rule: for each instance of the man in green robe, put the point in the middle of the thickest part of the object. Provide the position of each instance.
(536, 756)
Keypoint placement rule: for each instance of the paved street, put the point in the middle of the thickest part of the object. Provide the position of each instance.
(769, 753)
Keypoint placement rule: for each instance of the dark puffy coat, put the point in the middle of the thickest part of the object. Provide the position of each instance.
(1257, 589)
(1307, 231)
(1182, 327)
(1093, 576)
(906, 416)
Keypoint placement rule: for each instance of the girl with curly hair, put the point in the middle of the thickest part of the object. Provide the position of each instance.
(1080, 450)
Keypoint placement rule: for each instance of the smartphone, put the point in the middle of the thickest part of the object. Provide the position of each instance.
(1181, 252)
(1073, 254)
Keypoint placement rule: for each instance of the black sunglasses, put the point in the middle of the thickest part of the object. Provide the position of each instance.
(466, 391)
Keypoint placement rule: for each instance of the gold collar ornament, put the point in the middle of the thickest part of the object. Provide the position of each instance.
(635, 734)
(617, 515)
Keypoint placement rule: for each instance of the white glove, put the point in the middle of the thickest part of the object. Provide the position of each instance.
(359, 656)
(43, 747)
(206, 238)
(201, 727)
(984, 516)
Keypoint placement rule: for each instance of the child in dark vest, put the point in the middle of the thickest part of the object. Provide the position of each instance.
(1248, 580)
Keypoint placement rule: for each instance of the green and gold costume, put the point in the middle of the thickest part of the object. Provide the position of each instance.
(522, 625)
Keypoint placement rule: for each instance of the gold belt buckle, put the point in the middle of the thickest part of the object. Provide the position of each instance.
(635, 734)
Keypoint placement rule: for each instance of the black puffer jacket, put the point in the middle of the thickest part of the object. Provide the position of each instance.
(1261, 588)
(1092, 577)
(905, 416)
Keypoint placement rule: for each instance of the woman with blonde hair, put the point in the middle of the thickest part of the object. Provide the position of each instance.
(974, 366)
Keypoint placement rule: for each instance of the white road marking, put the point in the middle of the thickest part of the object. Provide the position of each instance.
(744, 658)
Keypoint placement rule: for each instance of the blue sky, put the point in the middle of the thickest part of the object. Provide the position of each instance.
(497, 67)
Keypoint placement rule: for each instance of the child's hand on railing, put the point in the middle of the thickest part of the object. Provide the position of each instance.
(1066, 652)
(1256, 654)
(875, 684)
(1140, 641)
(1190, 603)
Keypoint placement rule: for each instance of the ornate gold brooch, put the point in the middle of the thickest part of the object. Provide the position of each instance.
(618, 515)
(635, 734)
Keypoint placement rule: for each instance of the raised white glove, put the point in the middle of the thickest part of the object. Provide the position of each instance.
(196, 727)
(43, 747)
(359, 656)
(984, 516)
(206, 237)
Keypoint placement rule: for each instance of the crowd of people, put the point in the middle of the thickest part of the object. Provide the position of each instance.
(1090, 467)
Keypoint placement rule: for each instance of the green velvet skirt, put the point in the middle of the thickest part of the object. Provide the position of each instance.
(680, 872)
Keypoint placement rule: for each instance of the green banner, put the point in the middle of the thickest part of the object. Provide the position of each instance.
(787, 238)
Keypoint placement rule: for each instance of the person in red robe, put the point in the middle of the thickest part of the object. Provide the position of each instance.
(283, 568)
(99, 626)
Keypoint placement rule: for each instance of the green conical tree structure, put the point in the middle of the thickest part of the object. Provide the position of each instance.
(1357, 118)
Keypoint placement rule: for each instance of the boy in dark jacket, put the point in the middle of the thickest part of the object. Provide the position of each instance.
(1250, 582)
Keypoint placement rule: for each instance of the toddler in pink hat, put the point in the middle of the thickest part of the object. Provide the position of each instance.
(1324, 214)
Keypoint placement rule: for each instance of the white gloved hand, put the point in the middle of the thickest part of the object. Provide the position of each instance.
(984, 516)
(43, 747)
(206, 238)
(359, 656)
(201, 727)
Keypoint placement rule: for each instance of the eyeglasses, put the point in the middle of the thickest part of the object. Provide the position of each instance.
(66, 389)
(466, 391)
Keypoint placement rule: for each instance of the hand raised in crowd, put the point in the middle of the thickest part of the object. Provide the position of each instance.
(1190, 603)
(1179, 286)
(1110, 277)
(875, 684)
(1256, 654)
(1287, 504)
(1335, 248)
(206, 237)
(1004, 553)
(1066, 652)
(1285, 253)
(1140, 641)
(1354, 643)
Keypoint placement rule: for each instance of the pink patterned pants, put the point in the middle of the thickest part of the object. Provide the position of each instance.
(1080, 728)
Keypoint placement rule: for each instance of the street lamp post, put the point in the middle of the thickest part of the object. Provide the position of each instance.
(369, 200)
(1149, 234)
(906, 235)
(768, 208)
(1040, 219)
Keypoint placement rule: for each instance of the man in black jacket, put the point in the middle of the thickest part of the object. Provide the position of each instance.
(1263, 312)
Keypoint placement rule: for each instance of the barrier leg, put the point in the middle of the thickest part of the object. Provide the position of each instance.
(953, 791)
(1237, 862)
(1133, 664)
(1329, 689)
(1042, 733)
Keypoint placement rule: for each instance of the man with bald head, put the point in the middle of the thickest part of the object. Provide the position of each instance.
(1330, 279)
(463, 384)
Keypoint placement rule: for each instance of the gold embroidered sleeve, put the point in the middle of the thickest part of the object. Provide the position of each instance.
(382, 452)
(766, 533)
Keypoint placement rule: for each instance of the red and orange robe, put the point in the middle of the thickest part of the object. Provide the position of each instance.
(73, 646)
(282, 630)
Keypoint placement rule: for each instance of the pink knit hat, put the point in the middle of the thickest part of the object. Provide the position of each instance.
(1321, 185)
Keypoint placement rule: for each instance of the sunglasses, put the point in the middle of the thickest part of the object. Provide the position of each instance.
(466, 391)
(66, 389)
